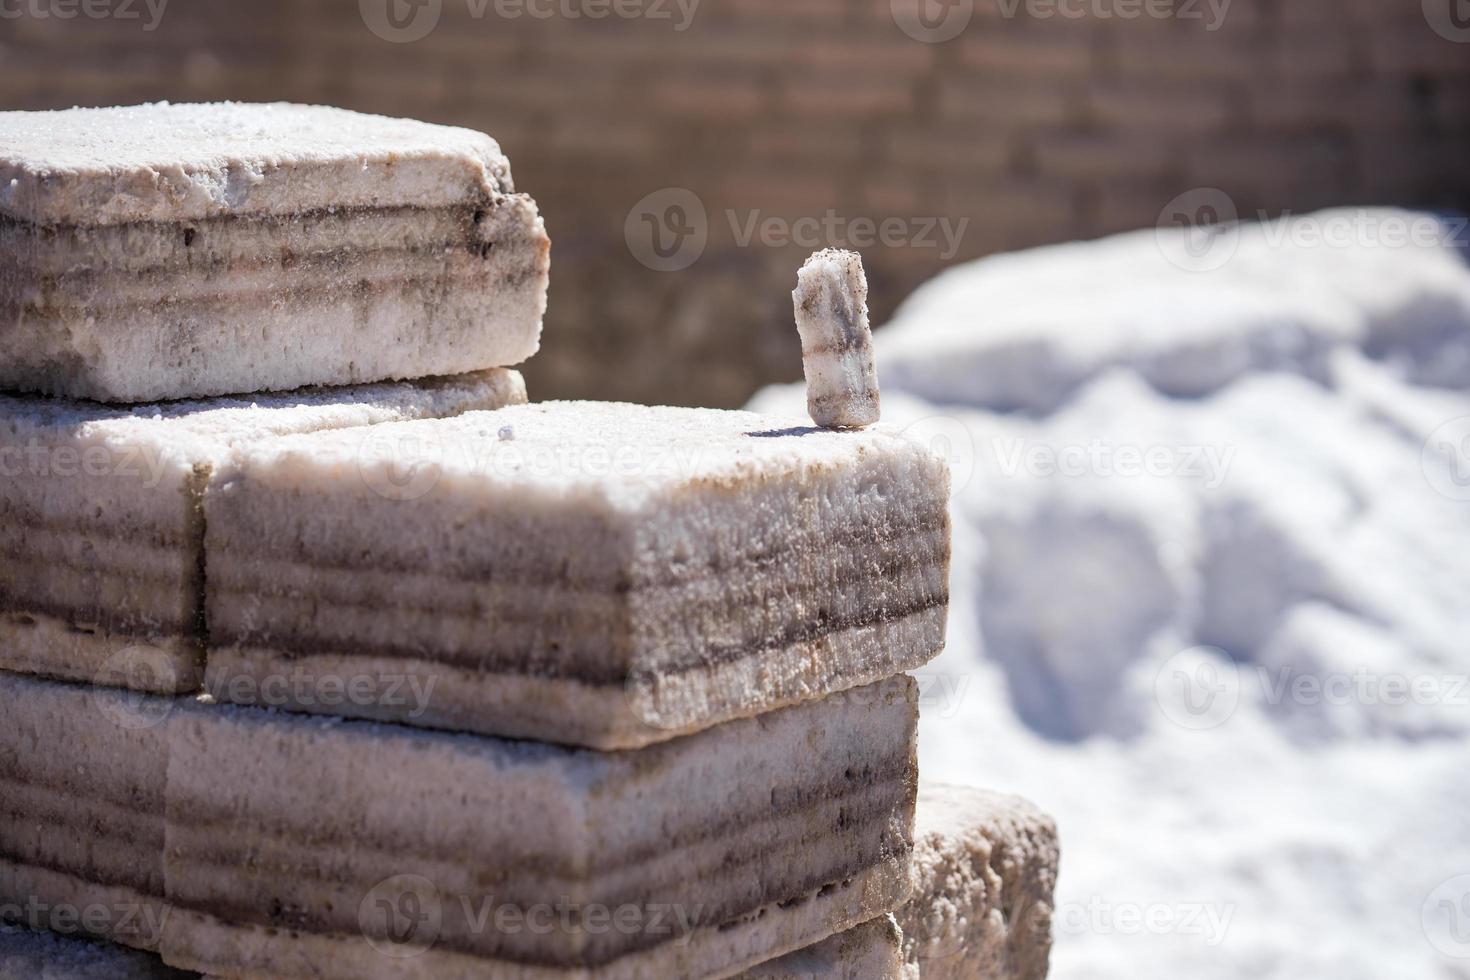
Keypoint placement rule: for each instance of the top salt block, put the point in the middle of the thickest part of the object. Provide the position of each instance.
(163, 252)
(163, 162)
(594, 574)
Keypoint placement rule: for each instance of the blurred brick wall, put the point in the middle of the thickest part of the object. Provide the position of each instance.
(1032, 128)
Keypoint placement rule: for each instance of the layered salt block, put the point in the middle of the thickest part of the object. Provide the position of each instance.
(984, 878)
(82, 779)
(101, 520)
(312, 847)
(27, 954)
(595, 574)
(871, 951)
(831, 300)
(181, 251)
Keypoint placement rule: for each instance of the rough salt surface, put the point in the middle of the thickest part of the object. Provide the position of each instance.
(1249, 483)
(831, 300)
(163, 162)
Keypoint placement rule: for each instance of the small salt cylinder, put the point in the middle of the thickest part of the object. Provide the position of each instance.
(831, 300)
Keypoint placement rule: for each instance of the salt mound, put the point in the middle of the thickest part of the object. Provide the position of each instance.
(1211, 597)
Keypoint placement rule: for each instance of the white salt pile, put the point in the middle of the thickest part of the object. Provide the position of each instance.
(1212, 554)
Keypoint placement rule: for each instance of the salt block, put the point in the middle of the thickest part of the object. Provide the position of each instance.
(27, 954)
(101, 519)
(81, 846)
(180, 251)
(310, 847)
(984, 872)
(984, 877)
(831, 300)
(594, 574)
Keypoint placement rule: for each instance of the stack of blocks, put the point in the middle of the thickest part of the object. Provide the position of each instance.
(399, 675)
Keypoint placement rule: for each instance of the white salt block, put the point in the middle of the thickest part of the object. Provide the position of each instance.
(108, 501)
(831, 300)
(160, 252)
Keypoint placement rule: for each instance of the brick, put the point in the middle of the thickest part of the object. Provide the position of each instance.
(1315, 57)
(868, 56)
(1265, 161)
(846, 97)
(1175, 109)
(713, 98)
(1084, 157)
(806, 141)
(975, 100)
(1053, 53)
(1193, 55)
(1416, 51)
(951, 149)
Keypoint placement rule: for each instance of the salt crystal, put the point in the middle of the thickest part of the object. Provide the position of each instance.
(831, 299)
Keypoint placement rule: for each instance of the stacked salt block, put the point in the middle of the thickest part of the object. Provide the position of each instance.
(170, 253)
(738, 603)
(656, 655)
(695, 622)
(157, 257)
(983, 874)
